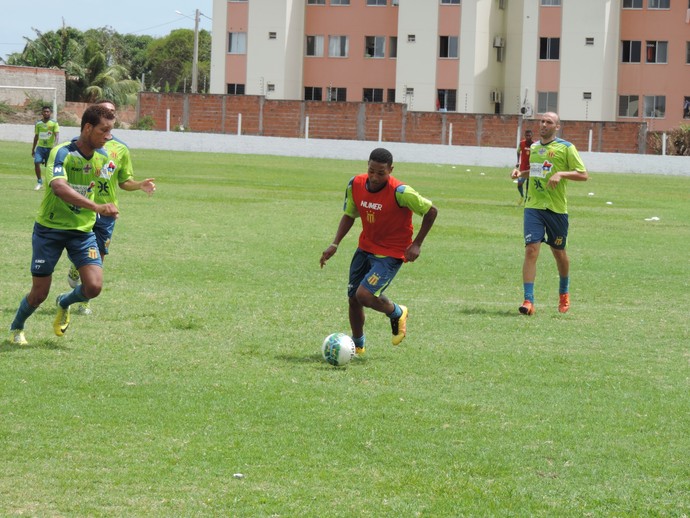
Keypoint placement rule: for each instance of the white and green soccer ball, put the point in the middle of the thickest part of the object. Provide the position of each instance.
(338, 349)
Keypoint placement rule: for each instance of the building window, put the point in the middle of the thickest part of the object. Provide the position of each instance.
(632, 4)
(372, 95)
(314, 46)
(587, 96)
(393, 47)
(446, 100)
(589, 41)
(632, 51)
(549, 48)
(550, 3)
(657, 51)
(687, 51)
(338, 46)
(340, 2)
(312, 93)
(448, 47)
(654, 106)
(411, 38)
(272, 35)
(337, 94)
(374, 46)
(237, 43)
(376, 2)
(547, 102)
(659, 4)
(448, 2)
(390, 95)
(628, 106)
(235, 89)
(686, 107)
(316, 2)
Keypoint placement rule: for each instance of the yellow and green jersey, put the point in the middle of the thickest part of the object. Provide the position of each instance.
(46, 133)
(119, 170)
(67, 162)
(544, 160)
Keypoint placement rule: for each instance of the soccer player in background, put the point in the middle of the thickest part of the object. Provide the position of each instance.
(553, 161)
(105, 191)
(523, 163)
(65, 220)
(46, 137)
(385, 206)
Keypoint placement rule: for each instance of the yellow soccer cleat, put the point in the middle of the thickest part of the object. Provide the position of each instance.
(61, 322)
(399, 326)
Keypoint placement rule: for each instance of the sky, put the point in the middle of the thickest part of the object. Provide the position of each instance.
(152, 17)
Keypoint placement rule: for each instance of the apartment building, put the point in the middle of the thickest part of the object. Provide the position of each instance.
(598, 60)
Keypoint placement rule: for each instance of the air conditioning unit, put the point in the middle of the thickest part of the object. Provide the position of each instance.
(499, 42)
(495, 96)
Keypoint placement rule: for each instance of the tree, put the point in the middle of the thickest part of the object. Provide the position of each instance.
(170, 59)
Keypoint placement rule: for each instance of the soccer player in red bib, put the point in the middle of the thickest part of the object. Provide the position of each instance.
(385, 206)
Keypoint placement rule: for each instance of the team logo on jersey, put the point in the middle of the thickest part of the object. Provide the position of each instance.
(87, 168)
(546, 166)
(113, 154)
(93, 253)
(374, 279)
(370, 217)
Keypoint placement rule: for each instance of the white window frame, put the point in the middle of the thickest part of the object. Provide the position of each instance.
(630, 50)
(452, 47)
(237, 43)
(660, 52)
(317, 45)
(629, 106)
(659, 4)
(547, 102)
(379, 46)
(338, 46)
(654, 106)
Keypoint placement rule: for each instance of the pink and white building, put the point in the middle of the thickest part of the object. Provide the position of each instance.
(598, 60)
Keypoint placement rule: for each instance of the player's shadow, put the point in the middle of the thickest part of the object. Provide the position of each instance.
(492, 312)
(50, 345)
(312, 359)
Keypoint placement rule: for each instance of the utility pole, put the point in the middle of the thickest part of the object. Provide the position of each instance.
(195, 59)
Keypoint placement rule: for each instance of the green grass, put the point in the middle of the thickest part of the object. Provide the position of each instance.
(202, 359)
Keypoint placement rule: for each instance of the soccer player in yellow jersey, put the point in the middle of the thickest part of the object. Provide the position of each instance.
(120, 175)
(552, 163)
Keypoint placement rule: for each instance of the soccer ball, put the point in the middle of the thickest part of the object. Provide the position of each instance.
(338, 349)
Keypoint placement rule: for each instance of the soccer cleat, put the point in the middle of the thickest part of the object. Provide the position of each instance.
(38, 186)
(563, 302)
(527, 308)
(73, 276)
(83, 309)
(17, 337)
(359, 351)
(61, 322)
(399, 326)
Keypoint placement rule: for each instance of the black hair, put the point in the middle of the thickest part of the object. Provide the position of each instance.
(94, 113)
(382, 156)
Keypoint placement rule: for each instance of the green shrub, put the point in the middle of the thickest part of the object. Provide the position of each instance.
(144, 123)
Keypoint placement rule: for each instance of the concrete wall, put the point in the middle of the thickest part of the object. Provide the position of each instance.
(31, 77)
(473, 157)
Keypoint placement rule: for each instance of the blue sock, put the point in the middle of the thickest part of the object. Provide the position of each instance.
(529, 291)
(25, 311)
(396, 313)
(564, 285)
(74, 296)
(359, 342)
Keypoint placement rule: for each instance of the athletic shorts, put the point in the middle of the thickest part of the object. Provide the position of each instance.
(48, 244)
(545, 226)
(373, 272)
(104, 227)
(41, 155)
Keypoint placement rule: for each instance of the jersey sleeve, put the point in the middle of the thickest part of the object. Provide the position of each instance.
(56, 162)
(125, 170)
(408, 197)
(575, 163)
(349, 207)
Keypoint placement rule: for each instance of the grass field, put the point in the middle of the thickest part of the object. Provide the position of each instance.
(202, 359)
